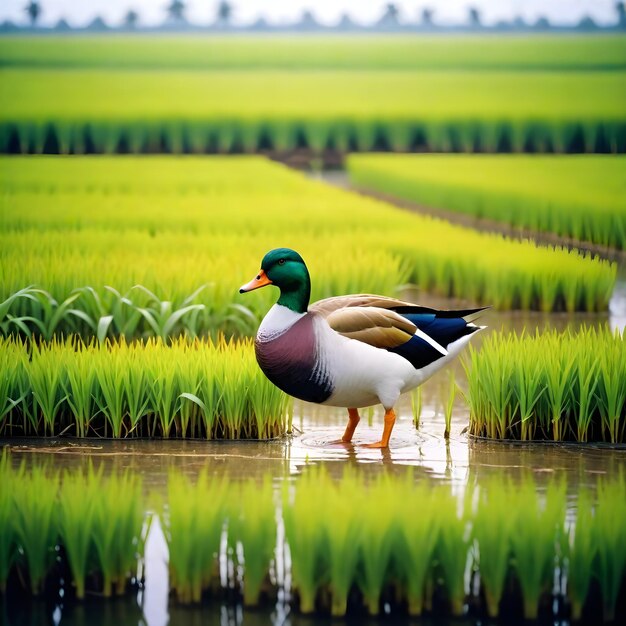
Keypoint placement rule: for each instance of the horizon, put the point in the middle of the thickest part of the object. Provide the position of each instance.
(326, 12)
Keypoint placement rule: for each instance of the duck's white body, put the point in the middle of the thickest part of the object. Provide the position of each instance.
(362, 375)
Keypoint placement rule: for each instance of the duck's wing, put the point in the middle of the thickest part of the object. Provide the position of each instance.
(419, 334)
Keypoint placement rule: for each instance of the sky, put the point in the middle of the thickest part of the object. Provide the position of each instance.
(80, 12)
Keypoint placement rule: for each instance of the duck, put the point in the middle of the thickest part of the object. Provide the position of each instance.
(350, 351)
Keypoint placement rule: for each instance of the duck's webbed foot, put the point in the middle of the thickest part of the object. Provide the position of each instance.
(390, 420)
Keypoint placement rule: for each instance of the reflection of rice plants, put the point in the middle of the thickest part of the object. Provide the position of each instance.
(160, 248)
(195, 518)
(411, 544)
(569, 386)
(252, 530)
(90, 522)
(579, 197)
(185, 389)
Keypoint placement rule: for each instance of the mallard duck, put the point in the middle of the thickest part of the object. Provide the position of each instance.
(350, 351)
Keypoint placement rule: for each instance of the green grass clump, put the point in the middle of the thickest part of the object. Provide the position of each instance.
(567, 386)
(187, 389)
(142, 247)
(579, 197)
(315, 52)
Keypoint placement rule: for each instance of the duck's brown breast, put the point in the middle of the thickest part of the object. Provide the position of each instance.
(290, 361)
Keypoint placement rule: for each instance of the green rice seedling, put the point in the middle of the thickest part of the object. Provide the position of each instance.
(529, 387)
(565, 384)
(377, 540)
(46, 380)
(577, 197)
(141, 388)
(416, 406)
(75, 519)
(35, 518)
(581, 554)
(587, 381)
(194, 522)
(534, 539)
(451, 551)
(449, 406)
(611, 393)
(492, 531)
(253, 526)
(610, 539)
(419, 528)
(559, 365)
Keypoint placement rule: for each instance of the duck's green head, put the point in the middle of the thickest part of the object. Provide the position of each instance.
(285, 269)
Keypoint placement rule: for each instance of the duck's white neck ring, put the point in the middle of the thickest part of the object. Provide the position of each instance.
(278, 320)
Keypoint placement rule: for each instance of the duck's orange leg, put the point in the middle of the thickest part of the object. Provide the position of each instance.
(353, 420)
(390, 420)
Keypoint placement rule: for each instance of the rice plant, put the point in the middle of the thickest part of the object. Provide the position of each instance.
(190, 388)
(234, 111)
(557, 386)
(577, 197)
(166, 235)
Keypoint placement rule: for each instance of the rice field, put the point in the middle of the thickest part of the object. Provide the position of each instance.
(289, 52)
(195, 389)
(549, 386)
(389, 540)
(109, 111)
(122, 329)
(579, 197)
(158, 247)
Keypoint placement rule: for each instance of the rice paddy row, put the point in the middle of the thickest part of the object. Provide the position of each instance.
(110, 111)
(500, 549)
(580, 197)
(384, 52)
(185, 389)
(191, 230)
(551, 386)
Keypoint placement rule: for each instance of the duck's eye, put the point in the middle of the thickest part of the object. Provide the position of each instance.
(281, 261)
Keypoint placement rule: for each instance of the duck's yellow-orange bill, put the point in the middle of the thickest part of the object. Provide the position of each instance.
(260, 280)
